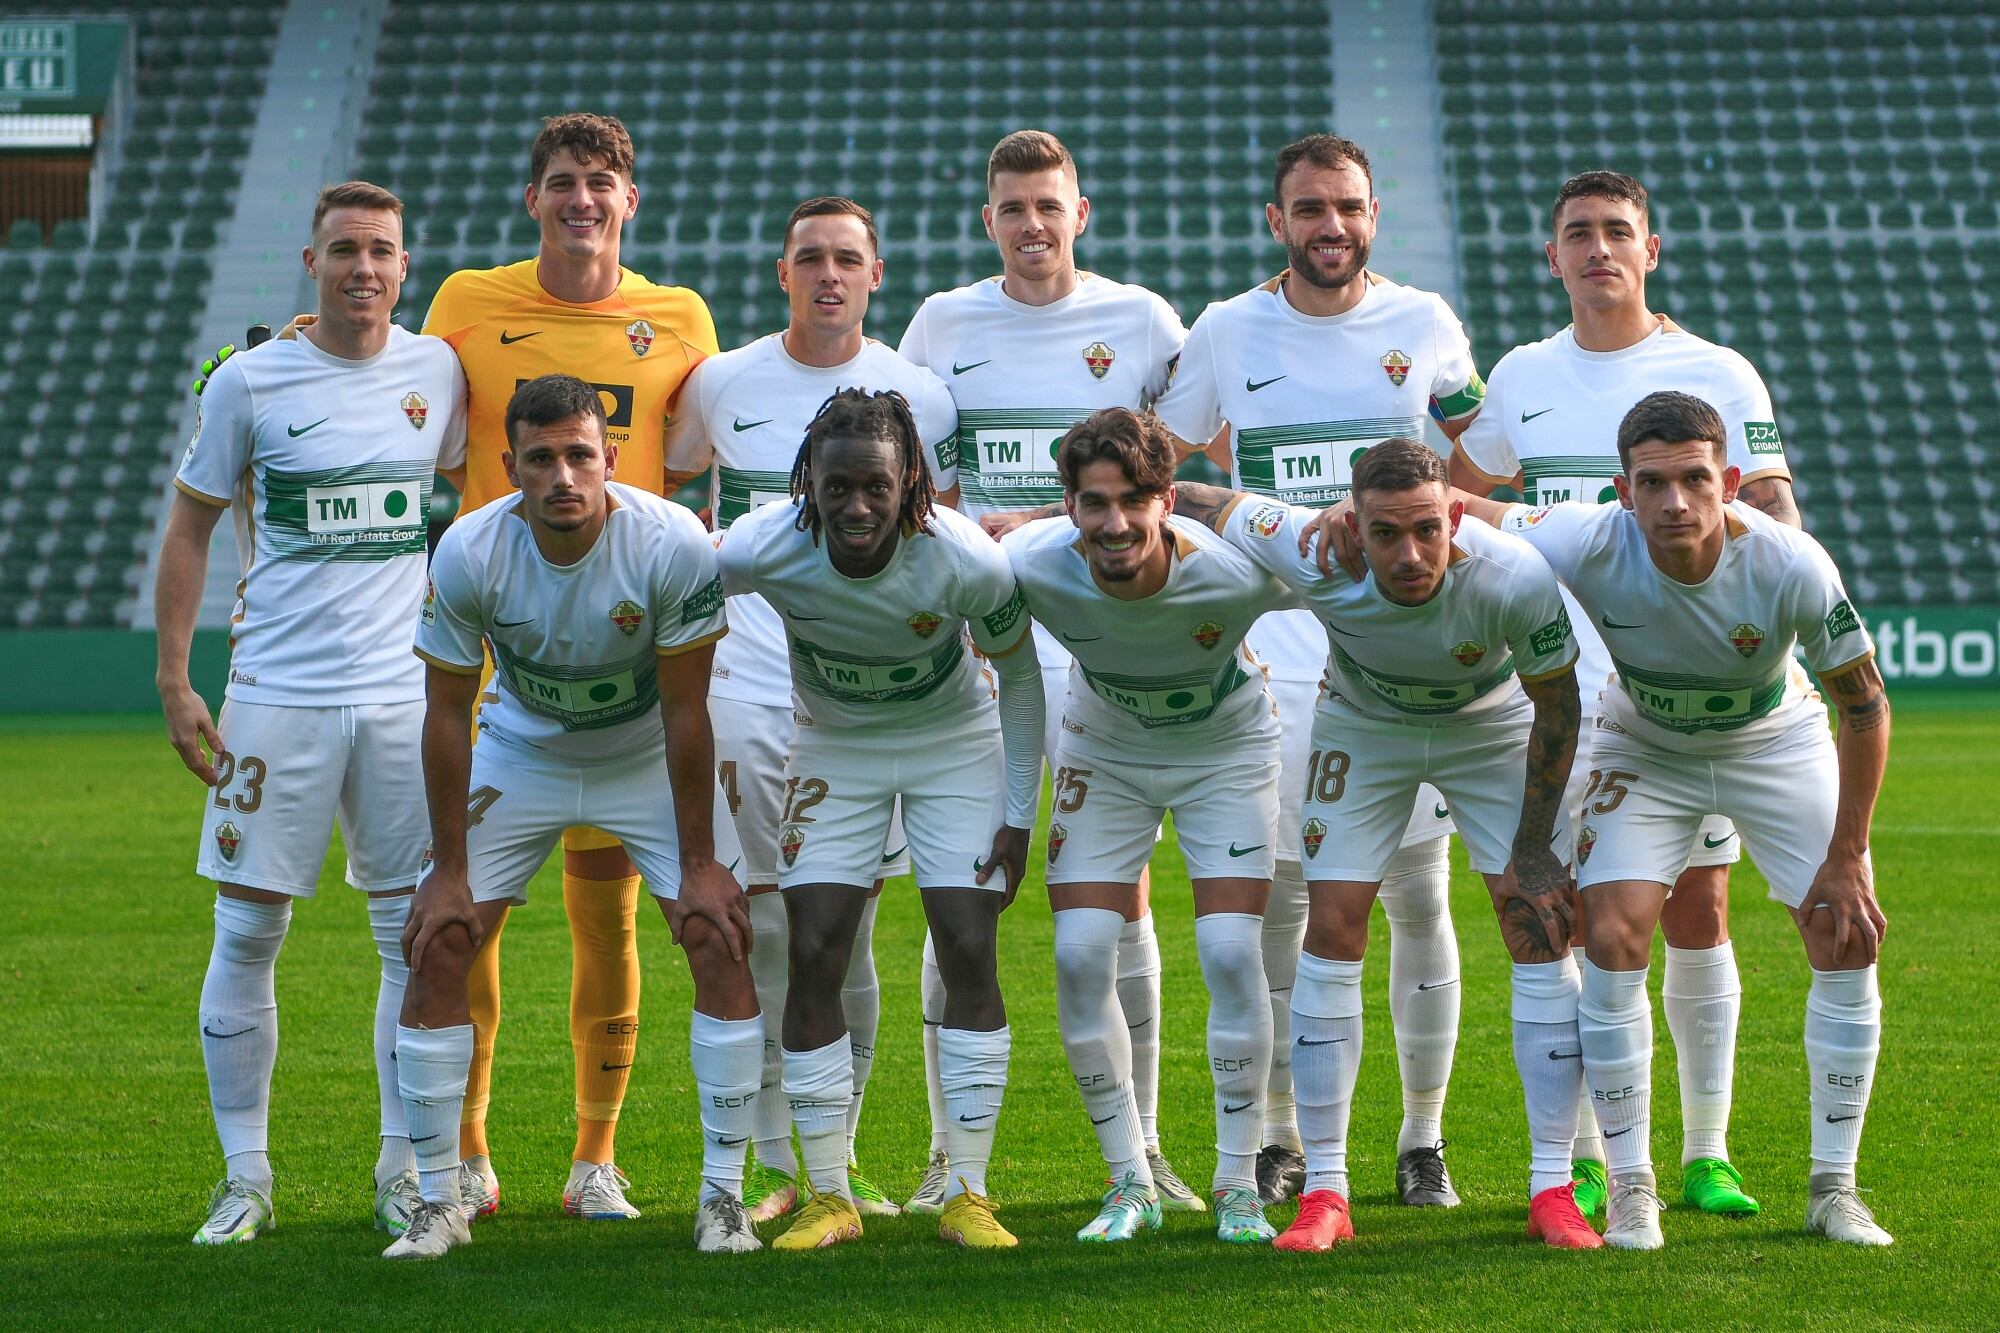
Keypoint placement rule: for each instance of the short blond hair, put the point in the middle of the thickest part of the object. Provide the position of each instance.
(1024, 151)
(354, 194)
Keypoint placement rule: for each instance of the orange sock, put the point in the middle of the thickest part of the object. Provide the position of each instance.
(603, 1003)
(483, 998)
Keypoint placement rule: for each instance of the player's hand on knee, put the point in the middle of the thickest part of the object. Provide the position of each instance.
(1010, 855)
(1845, 888)
(710, 892)
(442, 901)
(1331, 540)
(1536, 908)
(189, 727)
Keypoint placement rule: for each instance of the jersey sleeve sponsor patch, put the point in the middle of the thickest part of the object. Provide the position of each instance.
(1761, 437)
(1002, 622)
(1842, 620)
(706, 602)
(1550, 638)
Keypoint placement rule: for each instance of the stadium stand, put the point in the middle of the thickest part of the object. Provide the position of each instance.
(98, 330)
(1823, 172)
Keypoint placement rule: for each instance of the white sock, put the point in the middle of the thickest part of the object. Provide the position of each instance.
(1326, 1060)
(1703, 995)
(727, 1056)
(1424, 988)
(932, 993)
(239, 1030)
(1550, 1061)
(769, 965)
(431, 1067)
(386, 917)
(972, 1067)
(1284, 936)
(1239, 1039)
(1843, 1037)
(1095, 1037)
(1139, 1001)
(1614, 1026)
(819, 1084)
(1589, 1144)
(861, 1001)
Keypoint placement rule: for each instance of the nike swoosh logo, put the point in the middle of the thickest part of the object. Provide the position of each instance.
(796, 616)
(887, 857)
(1526, 417)
(1324, 1041)
(1083, 638)
(296, 431)
(1245, 851)
(1345, 632)
(611, 1068)
(509, 339)
(513, 624)
(1565, 1055)
(739, 425)
(1107, 1119)
(1134, 1027)
(1443, 813)
(1227, 1109)
(425, 1139)
(974, 1119)
(1837, 1119)
(731, 867)
(234, 1222)
(1251, 386)
(1712, 843)
(225, 1036)
(731, 1143)
(1436, 985)
(1609, 623)
(957, 369)
(1616, 1132)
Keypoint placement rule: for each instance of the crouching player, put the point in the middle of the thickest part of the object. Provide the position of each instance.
(876, 587)
(1701, 599)
(601, 605)
(1451, 662)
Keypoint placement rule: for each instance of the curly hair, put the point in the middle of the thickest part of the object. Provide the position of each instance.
(874, 416)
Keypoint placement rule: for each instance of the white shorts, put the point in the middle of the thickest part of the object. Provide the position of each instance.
(751, 744)
(1641, 819)
(1715, 842)
(1356, 799)
(1298, 700)
(844, 784)
(288, 773)
(1107, 815)
(522, 800)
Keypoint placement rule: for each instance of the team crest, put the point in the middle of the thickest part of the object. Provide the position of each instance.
(227, 839)
(415, 409)
(1747, 638)
(1397, 365)
(1584, 842)
(924, 623)
(1312, 835)
(627, 616)
(1468, 653)
(1098, 356)
(1208, 634)
(1058, 835)
(1265, 520)
(788, 845)
(640, 334)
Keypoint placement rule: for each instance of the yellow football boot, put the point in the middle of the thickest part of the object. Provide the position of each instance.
(968, 1220)
(826, 1219)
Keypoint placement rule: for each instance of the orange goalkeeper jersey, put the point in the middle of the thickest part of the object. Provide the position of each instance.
(636, 346)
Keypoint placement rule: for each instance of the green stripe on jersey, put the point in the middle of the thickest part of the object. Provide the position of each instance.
(1007, 458)
(1313, 462)
(1554, 478)
(373, 512)
(582, 698)
(1691, 703)
(874, 680)
(740, 490)
(1413, 694)
(1168, 701)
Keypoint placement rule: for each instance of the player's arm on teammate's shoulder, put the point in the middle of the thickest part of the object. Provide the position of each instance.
(1205, 504)
(1773, 495)
(1540, 911)
(1467, 476)
(176, 603)
(444, 897)
(1845, 884)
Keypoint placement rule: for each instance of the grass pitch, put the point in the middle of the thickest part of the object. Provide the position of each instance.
(106, 933)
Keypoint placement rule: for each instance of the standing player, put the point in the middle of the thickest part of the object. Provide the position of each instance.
(743, 413)
(326, 444)
(573, 310)
(1450, 662)
(1550, 432)
(1026, 356)
(877, 589)
(1164, 711)
(1291, 381)
(599, 604)
(1704, 599)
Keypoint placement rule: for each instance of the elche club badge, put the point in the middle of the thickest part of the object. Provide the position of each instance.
(1747, 638)
(790, 841)
(925, 623)
(1208, 634)
(1099, 356)
(415, 409)
(627, 616)
(640, 334)
(1397, 365)
(1468, 653)
(1584, 842)
(1312, 834)
(1058, 835)
(227, 839)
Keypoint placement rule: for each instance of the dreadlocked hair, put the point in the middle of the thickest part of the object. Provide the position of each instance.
(875, 416)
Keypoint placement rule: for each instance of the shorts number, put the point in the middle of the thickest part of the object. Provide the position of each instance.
(251, 769)
(478, 803)
(1611, 786)
(1071, 789)
(726, 771)
(1326, 776)
(801, 795)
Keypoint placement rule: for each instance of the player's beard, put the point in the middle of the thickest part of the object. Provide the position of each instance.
(1300, 257)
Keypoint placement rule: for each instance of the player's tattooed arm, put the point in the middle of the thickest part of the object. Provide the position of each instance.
(1845, 885)
(1203, 503)
(444, 898)
(1773, 495)
(1538, 907)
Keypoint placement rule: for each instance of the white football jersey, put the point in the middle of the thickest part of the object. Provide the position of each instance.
(1022, 375)
(329, 465)
(574, 646)
(1305, 395)
(744, 414)
(1702, 668)
(1165, 679)
(888, 650)
(1497, 619)
(1552, 415)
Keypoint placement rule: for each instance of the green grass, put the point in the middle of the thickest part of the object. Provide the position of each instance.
(110, 1153)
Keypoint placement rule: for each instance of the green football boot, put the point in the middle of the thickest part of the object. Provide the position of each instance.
(1593, 1189)
(1714, 1186)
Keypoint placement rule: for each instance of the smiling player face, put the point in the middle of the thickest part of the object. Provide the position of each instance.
(1325, 218)
(358, 263)
(1123, 527)
(1035, 218)
(858, 486)
(582, 207)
